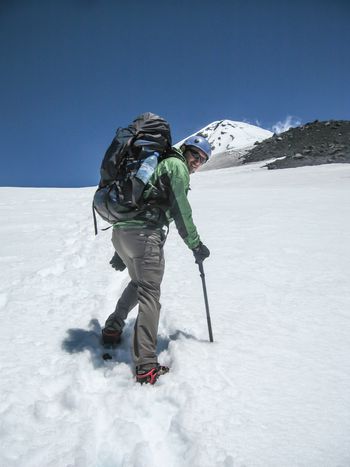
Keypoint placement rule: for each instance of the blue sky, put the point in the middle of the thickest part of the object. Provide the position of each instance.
(72, 71)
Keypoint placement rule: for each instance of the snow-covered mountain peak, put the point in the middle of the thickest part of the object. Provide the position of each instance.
(226, 136)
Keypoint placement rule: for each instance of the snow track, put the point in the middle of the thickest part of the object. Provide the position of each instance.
(272, 390)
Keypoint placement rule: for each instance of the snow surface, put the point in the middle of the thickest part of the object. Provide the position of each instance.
(272, 390)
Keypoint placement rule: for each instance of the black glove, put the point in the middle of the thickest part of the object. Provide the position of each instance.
(117, 263)
(200, 253)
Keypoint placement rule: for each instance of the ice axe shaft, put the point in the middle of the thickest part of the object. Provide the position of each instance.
(201, 270)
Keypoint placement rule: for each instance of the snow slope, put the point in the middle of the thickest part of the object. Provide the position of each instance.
(271, 391)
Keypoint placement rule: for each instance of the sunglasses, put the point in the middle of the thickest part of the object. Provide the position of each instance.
(198, 157)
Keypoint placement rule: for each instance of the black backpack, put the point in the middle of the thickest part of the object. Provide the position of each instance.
(118, 196)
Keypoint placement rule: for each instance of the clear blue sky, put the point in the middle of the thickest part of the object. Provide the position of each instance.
(72, 71)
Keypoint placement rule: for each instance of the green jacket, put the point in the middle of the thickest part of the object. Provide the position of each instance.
(165, 199)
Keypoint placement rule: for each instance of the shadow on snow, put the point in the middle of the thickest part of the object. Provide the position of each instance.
(79, 340)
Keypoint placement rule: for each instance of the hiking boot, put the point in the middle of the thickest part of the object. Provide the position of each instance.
(150, 375)
(111, 336)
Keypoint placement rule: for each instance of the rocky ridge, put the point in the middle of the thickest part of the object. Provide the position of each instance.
(314, 143)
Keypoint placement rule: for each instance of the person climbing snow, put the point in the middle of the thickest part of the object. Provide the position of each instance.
(139, 243)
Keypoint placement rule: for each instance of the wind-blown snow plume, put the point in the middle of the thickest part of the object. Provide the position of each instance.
(282, 126)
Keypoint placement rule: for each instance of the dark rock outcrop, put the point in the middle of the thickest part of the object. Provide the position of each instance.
(311, 144)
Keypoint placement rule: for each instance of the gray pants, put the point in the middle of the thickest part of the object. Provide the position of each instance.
(142, 252)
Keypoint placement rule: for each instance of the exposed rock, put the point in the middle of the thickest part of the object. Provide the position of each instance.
(310, 144)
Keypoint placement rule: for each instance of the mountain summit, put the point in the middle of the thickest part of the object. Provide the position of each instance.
(230, 140)
(227, 135)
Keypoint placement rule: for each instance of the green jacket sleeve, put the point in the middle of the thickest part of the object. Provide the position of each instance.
(179, 206)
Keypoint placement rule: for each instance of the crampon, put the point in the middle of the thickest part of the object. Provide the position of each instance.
(150, 376)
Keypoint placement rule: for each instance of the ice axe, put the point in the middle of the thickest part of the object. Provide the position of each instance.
(201, 270)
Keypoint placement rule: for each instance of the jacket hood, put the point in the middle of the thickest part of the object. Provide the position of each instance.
(179, 154)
